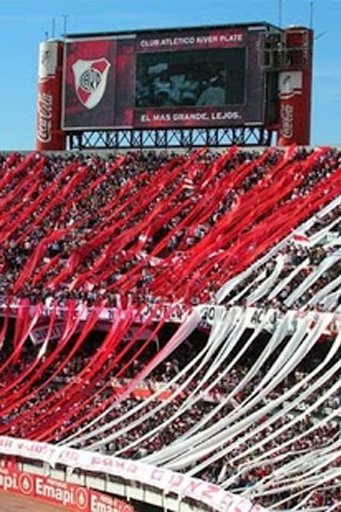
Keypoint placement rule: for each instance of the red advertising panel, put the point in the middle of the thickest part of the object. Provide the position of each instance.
(61, 494)
(89, 88)
(295, 90)
(48, 130)
(195, 77)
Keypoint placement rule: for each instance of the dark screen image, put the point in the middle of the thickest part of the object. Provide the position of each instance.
(195, 78)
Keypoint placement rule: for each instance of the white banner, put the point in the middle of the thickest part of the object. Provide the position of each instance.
(164, 479)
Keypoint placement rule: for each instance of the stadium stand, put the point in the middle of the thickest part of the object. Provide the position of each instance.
(244, 390)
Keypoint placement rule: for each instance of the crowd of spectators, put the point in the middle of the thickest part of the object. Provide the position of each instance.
(63, 412)
(158, 227)
(292, 255)
(121, 229)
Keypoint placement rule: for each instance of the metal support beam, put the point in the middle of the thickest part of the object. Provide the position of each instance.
(170, 138)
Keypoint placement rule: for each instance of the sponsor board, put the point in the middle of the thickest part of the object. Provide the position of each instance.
(55, 492)
(103, 503)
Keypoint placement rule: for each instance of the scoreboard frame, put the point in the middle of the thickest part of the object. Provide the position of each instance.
(206, 85)
(118, 54)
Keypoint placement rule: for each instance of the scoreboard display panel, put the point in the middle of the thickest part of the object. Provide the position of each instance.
(190, 77)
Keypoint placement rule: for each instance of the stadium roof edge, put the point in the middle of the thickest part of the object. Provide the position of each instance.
(83, 35)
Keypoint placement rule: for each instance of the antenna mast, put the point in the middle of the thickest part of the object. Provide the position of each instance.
(280, 12)
(311, 17)
(65, 17)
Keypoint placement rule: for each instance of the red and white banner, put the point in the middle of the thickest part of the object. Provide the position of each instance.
(55, 492)
(175, 313)
(165, 480)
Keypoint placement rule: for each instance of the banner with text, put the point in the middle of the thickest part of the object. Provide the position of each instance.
(165, 480)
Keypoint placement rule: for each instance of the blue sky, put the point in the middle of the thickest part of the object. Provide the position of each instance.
(24, 23)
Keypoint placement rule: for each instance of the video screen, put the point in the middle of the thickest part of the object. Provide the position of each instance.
(190, 78)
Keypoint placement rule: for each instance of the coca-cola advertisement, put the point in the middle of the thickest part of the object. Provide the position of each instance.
(294, 115)
(49, 134)
(295, 89)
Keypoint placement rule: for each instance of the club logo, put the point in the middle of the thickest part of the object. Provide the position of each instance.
(91, 78)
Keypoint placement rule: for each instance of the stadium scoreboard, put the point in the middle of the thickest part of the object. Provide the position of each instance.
(198, 77)
(192, 77)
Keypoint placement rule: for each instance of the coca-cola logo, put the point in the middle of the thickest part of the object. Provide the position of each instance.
(44, 121)
(287, 120)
